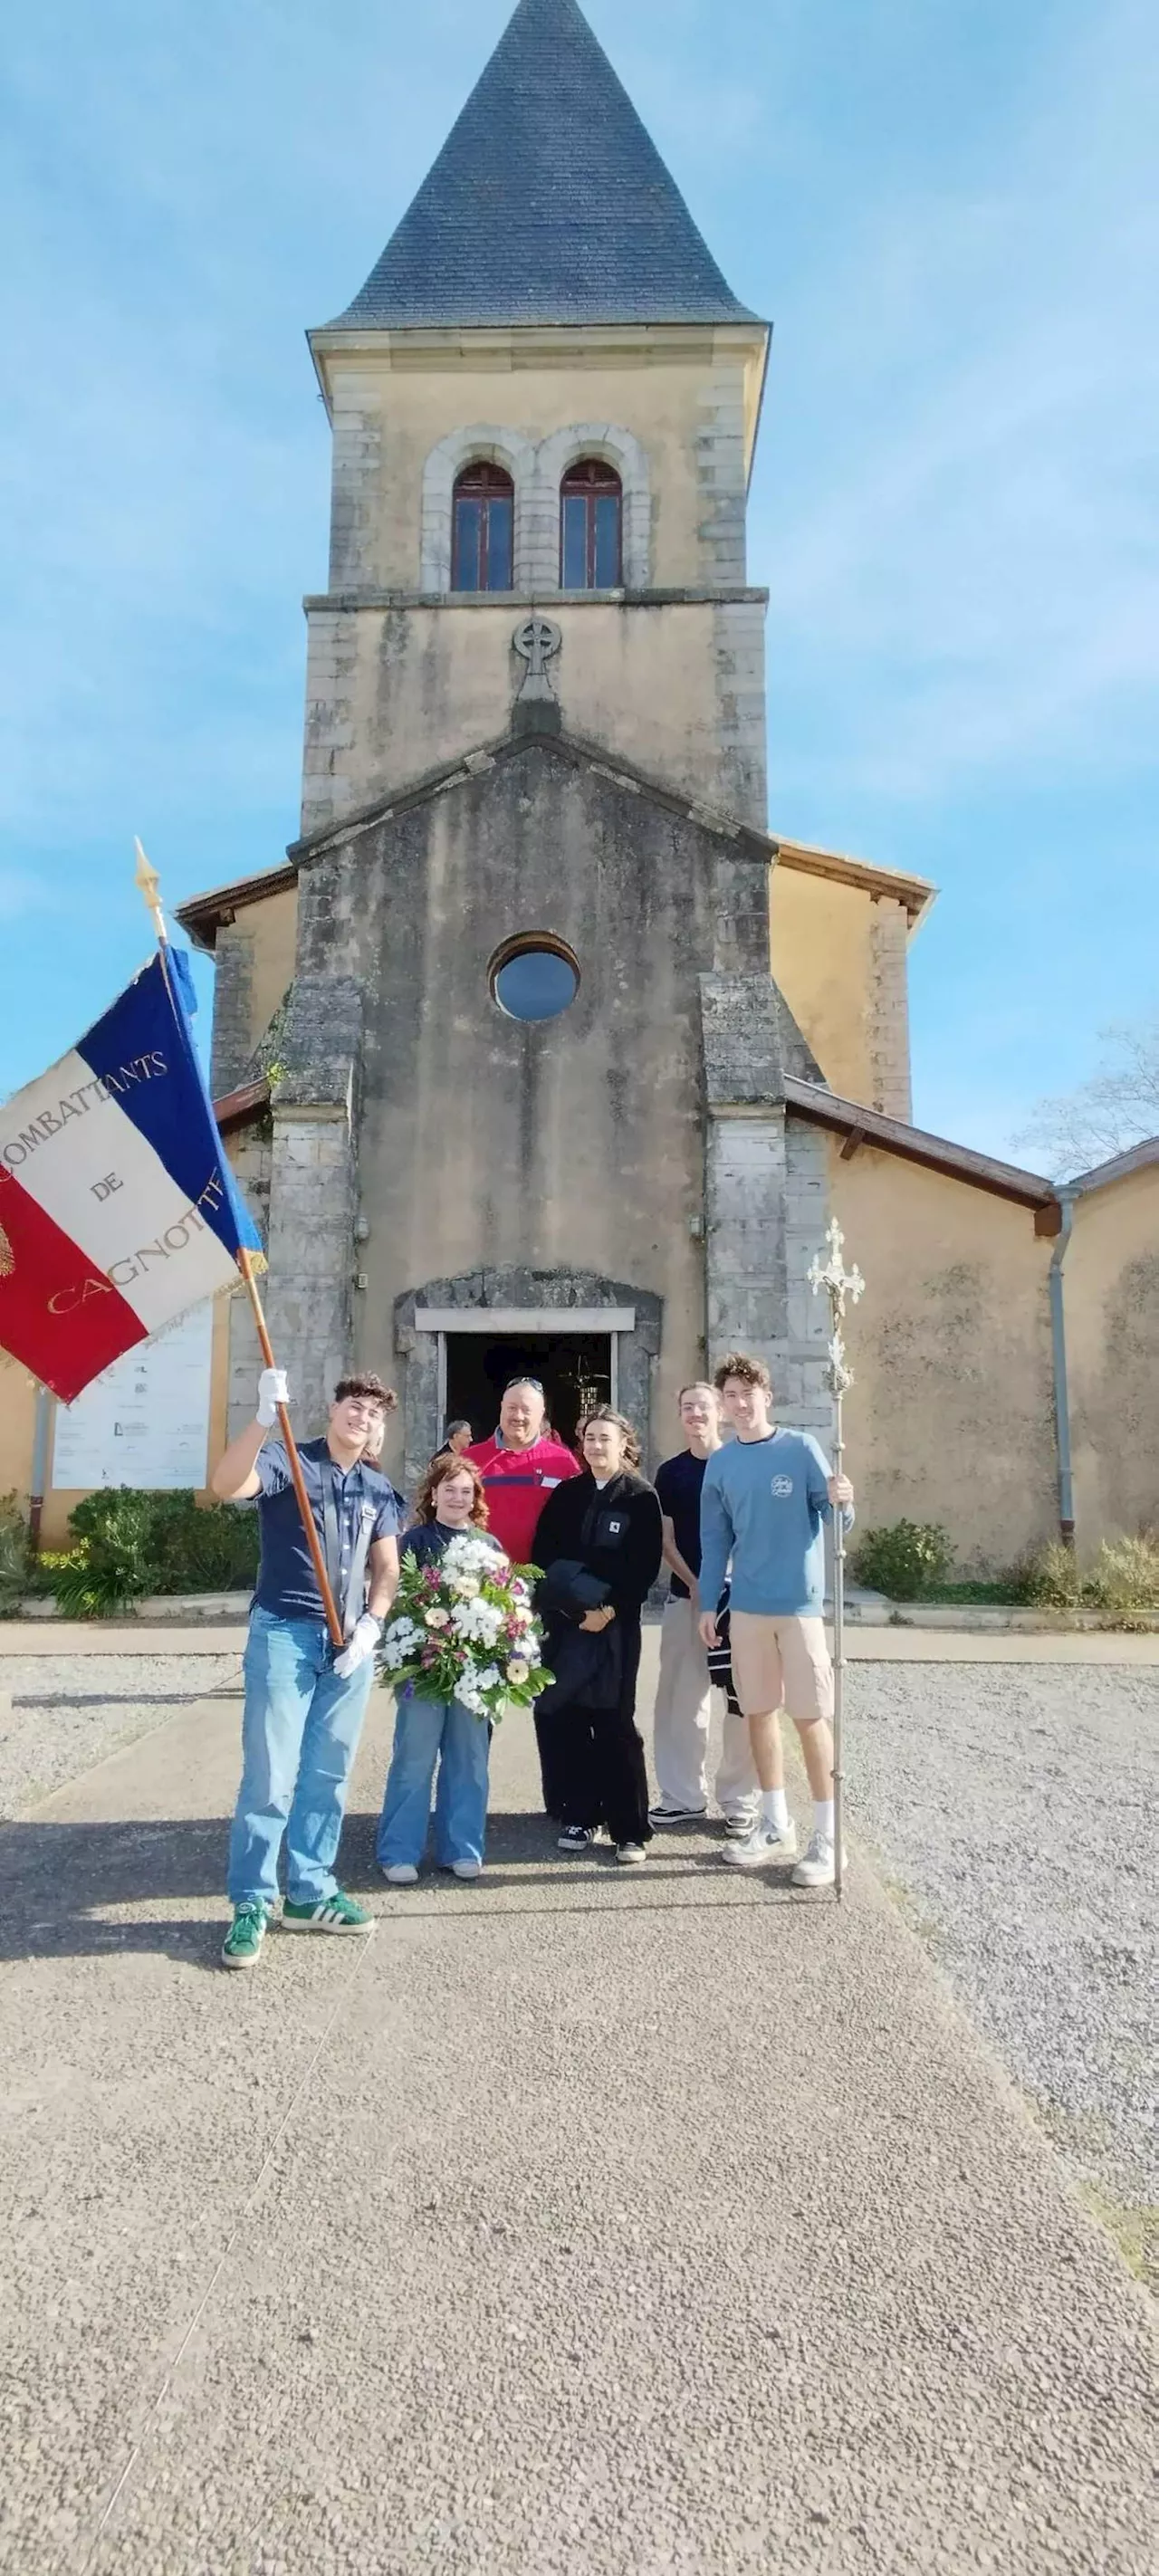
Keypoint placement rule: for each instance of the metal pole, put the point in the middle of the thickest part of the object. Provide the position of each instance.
(838, 1662)
(837, 1283)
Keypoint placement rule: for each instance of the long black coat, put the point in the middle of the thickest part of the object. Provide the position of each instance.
(618, 1535)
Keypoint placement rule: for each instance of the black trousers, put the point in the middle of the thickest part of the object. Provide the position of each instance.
(552, 1767)
(598, 1770)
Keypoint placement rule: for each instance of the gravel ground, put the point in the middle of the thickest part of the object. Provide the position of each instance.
(96, 1702)
(1017, 1809)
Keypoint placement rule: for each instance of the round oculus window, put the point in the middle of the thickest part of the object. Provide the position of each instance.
(534, 979)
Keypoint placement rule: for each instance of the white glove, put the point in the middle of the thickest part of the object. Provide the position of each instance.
(272, 1391)
(362, 1644)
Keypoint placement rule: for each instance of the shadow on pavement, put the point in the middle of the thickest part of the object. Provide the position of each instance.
(57, 1878)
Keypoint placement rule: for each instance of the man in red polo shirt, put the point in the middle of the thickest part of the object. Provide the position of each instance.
(520, 1466)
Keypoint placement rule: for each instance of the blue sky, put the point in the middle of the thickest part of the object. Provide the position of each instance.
(947, 208)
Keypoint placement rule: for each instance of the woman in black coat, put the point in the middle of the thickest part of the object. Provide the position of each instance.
(599, 1544)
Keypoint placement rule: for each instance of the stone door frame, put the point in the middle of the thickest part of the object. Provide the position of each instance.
(560, 1302)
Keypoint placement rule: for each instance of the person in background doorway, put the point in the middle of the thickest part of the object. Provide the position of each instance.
(373, 1456)
(599, 1544)
(458, 1437)
(305, 1701)
(450, 1500)
(763, 1502)
(521, 1466)
(684, 1692)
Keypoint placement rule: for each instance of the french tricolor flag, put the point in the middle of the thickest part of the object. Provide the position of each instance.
(118, 1209)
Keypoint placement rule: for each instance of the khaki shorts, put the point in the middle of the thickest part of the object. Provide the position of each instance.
(781, 1663)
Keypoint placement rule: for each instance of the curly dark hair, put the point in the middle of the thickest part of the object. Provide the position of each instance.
(446, 1463)
(751, 1372)
(608, 1413)
(364, 1382)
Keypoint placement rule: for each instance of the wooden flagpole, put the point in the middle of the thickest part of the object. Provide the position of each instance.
(150, 885)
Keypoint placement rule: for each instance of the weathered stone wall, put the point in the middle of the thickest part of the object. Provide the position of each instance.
(950, 1417)
(570, 1146)
(1111, 1299)
(393, 689)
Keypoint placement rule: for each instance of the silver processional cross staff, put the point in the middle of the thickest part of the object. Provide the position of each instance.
(838, 1283)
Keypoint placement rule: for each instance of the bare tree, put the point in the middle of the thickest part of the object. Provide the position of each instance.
(1114, 1110)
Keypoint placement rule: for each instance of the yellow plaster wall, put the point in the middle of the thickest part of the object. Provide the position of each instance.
(822, 959)
(950, 1417)
(1111, 1302)
(17, 1421)
(273, 926)
(392, 416)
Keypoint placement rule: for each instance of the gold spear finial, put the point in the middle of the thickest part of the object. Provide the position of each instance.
(150, 885)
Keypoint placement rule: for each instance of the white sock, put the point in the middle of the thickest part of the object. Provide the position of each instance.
(775, 1809)
(823, 1819)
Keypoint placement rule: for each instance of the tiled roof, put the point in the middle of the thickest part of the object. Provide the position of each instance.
(548, 203)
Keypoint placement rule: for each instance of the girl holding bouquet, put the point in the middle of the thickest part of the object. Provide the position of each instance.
(462, 1645)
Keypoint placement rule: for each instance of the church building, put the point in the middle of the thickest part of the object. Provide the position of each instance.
(540, 1050)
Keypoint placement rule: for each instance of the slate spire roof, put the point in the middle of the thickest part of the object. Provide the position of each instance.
(548, 203)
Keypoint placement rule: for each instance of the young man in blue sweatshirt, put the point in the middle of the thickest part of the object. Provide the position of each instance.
(762, 1505)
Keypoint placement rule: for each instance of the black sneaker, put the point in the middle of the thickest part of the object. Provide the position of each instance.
(662, 1815)
(576, 1838)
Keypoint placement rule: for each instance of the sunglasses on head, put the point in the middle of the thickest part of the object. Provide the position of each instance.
(513, 1382)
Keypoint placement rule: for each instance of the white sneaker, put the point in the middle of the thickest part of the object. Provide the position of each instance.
(466, 1868)
(818, 1868)
(630, 1852)
(738, 1828)
(762, 1848)
(401, 1874)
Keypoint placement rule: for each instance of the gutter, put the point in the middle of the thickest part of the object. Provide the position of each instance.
(1066, 1199)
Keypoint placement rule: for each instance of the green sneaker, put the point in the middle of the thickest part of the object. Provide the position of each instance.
(241, 1947)
(337, 1913)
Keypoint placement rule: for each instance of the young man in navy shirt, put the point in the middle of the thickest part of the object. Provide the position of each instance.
(684, 1693)
(305, 1702)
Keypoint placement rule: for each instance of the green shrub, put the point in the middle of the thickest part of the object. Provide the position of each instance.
(1053, 1579)
(1123, 1581)
(905, 1560)
(13, 1555)
(114, 1563)
(210, 1548)
(130, 1543)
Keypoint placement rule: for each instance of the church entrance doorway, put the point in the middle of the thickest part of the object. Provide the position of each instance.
(574, 1370)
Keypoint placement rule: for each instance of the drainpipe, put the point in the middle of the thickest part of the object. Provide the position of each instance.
(1058, 1345)
(39, 1467)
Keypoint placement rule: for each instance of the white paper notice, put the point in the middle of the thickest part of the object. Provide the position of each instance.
(144, 1422)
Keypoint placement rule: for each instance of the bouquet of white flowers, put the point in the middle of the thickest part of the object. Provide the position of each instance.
(463, 1628)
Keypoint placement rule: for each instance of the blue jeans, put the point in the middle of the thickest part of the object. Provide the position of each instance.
(429, 1731)
(299, 1736)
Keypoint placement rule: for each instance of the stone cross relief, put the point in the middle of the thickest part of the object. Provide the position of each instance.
(537, 640)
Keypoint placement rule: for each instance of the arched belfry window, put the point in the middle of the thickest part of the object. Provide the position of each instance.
(484, 528)
(591, 520)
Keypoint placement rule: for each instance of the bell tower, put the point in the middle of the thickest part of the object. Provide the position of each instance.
(544, 402)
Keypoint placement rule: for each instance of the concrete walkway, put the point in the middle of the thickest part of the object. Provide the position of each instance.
(60, 1637)
(589, 2221)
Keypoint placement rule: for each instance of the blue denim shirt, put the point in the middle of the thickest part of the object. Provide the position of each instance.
(287, 1585)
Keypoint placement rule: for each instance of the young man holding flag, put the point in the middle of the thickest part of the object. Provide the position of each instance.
(305, 1703)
